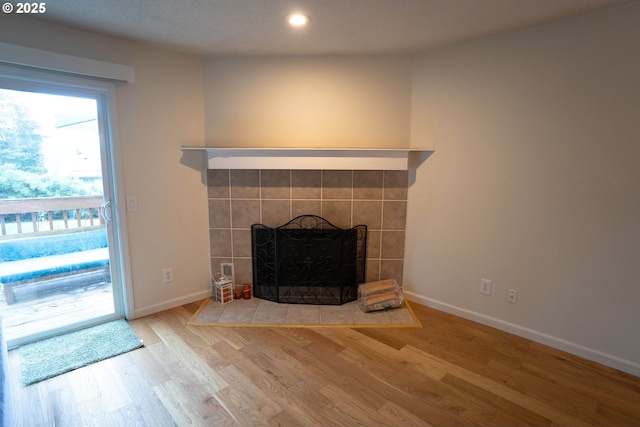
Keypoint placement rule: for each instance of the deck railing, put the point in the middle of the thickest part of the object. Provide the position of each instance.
(49, 214)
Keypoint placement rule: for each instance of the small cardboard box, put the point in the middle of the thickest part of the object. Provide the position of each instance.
(380, 295)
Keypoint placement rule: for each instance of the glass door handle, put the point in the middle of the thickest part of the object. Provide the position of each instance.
(105, 211)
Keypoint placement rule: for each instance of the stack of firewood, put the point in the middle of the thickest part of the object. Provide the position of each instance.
(380, 295)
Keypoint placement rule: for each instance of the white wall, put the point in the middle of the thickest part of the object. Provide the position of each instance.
(157, 114)
(308, 101)
(534, 183)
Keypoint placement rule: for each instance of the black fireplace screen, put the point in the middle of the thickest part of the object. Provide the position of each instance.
(308, 261)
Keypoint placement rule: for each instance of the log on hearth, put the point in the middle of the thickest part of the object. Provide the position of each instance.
(380, 295)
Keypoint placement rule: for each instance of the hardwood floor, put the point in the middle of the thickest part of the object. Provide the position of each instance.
(451, 372)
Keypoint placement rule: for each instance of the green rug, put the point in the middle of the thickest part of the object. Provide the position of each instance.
(54, 356)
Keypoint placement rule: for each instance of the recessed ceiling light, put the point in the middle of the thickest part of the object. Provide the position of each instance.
(298, 20)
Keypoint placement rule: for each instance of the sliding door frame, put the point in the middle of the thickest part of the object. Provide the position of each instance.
(104, 92)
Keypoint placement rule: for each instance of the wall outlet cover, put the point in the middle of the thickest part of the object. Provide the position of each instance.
(485, 286)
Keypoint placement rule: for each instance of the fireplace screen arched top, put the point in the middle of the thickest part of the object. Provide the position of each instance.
(308, 261)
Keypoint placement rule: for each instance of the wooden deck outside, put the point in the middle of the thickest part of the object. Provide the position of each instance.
(72, 303)
(24, 318)
(86, 210)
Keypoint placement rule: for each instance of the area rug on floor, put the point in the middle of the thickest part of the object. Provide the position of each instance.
(54, 356)
(257, 312)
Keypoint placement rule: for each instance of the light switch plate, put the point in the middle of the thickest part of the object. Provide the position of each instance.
(132, 204)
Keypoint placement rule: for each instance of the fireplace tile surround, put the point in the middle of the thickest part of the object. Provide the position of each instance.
(239, 198)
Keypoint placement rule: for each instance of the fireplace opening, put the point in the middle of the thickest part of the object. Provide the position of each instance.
(308, 261)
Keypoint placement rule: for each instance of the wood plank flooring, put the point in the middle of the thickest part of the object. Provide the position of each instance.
(452, 372)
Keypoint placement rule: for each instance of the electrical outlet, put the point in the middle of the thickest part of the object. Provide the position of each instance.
(167, 275)
(512, 296)
(485, 287)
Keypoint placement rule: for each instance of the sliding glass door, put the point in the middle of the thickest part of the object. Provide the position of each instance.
(59, 249)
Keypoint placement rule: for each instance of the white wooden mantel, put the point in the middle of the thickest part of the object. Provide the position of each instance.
(312, 158)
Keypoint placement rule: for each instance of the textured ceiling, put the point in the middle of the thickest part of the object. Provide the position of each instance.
(257, 27)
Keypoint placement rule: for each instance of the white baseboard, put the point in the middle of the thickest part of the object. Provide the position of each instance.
(166, 305)
(555, 342)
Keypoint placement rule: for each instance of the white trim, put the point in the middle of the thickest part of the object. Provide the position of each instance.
(14, 343)
(309, 158)
(116, 188)
(555, 342)
(52, 61)
(167, 305)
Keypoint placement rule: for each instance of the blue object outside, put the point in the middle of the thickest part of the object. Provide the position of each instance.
(48, 246)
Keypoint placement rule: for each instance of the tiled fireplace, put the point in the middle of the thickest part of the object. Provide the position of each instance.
(239, 198)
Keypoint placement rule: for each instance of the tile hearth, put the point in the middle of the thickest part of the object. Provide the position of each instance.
(259, 312)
